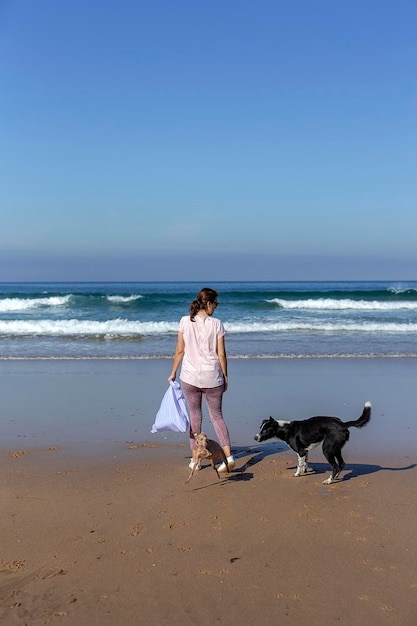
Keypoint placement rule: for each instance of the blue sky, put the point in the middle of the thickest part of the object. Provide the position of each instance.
(191, 140)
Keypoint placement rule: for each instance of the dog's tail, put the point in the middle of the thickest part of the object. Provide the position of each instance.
(363, 419)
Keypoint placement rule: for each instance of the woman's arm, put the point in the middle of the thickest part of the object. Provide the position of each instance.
(179, 353)
(221, 353)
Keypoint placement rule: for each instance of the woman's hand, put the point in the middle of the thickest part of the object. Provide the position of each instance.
(172, 377)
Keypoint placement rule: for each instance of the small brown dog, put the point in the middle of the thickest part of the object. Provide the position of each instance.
(207, 449)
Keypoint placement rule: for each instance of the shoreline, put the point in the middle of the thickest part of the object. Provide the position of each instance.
(231, 357)
(104, 402)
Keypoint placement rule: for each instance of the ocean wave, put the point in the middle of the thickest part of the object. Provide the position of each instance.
(9, 305)
(400, 290)
(330, 304)
(337, 326)
(123, 328)
(84, 328)
(123, 299)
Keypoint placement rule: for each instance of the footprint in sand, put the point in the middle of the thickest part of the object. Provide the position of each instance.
(136, 530)
(49, 572)
(17, 454)
(13, 566)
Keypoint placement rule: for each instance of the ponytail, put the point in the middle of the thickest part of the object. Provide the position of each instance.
(204, 296)
(194, 309)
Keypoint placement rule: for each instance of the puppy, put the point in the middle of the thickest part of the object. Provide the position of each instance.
(207, 449)
(304, 435)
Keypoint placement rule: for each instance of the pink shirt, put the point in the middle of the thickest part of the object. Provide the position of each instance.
(200, 365)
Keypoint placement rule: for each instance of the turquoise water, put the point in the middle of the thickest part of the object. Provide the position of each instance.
(262, 319)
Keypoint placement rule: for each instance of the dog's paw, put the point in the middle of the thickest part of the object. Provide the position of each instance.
(301, 472)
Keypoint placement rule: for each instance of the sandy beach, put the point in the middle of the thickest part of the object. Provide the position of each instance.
(99, 528)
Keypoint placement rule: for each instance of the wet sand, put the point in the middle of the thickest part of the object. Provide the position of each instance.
(98, 527)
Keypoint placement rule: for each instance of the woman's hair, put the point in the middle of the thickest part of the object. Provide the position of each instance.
(204, 296)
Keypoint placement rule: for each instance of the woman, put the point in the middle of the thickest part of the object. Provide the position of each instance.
(201, 349)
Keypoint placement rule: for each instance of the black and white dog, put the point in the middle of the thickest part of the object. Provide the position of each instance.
(304, 435)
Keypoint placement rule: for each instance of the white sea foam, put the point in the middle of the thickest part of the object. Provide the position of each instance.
(405, 289)
(123, 299)
(124, 328)
(246, 357)
(8, 305)
(337, 326)
(331, 304)
(83, 328)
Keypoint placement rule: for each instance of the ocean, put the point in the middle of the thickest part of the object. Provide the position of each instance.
(273, 320)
